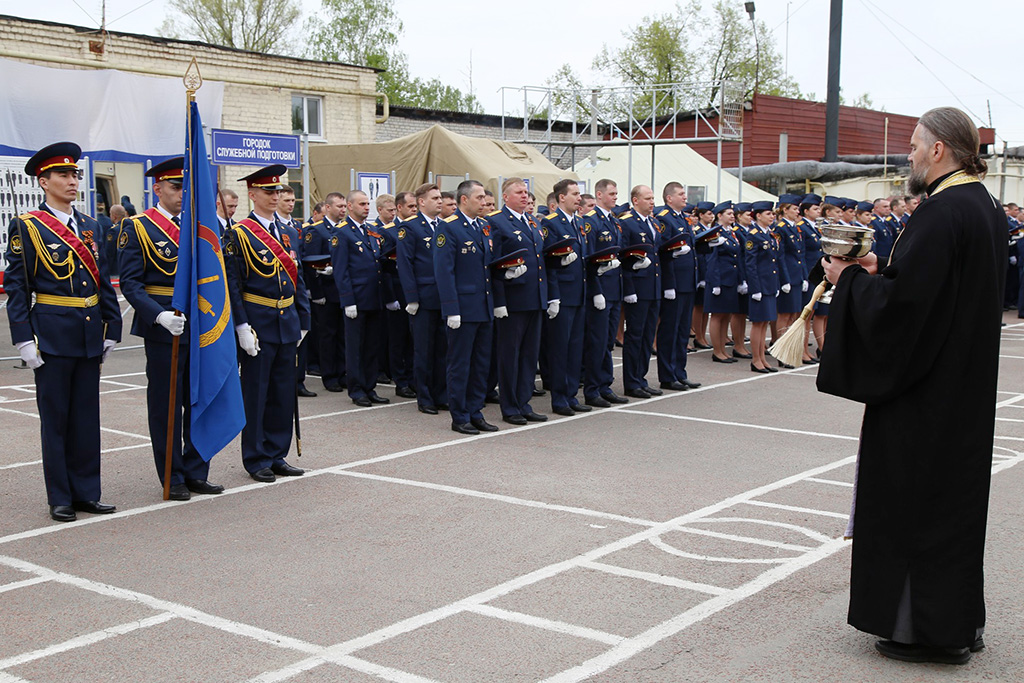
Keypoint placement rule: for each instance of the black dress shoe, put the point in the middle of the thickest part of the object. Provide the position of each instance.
(428, 410)
(93, 506)
(538, 392)
(674, 386)
(178, 492)
(383, 379)
(283, 469)
(266, 475)
(787, 366)
(535, 417)
(978, 645)
(921, 654)
(771, 369)
(333, 386)
(637, 393)
(563, 410)
(203, 487)
(375, 398)
(599, 402)
(612, 397)
(810, 361)
(492, 398)
(580, 408)
(305, 393)
(442, 406)
(653, 392)
(405, 392)
(698, 345)
(315, 372)
(518, 420)
(483, 425)
(362, 402)
(465, 428)
(716, 359)
(745, 356)
(691, 385)
(763, 371)
(62, 513)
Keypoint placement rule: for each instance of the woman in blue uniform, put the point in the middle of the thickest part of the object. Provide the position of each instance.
(792, 242)
(724, 275)
(810, 212)
(738, 322)
(765, 270)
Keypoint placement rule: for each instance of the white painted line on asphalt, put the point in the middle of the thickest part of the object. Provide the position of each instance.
(727, 423)
(102, 429)
(385, 672)
(123, 448)
(745, 539)
(102, 393)
(86, 639)
(30, 386)
(1008, 419)
(497, 497)
(288, 671)
(637, 644)
(23, 584)
(1010, 438)
(1013, 357)
(21, 464)
(1010, 402)
(547, 624)
(793, 508)
(662, 545)
(832, 482)
(10, 678)
(655, 578)
(122, 384)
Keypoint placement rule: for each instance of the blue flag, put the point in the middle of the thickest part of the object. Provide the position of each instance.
(201, 293)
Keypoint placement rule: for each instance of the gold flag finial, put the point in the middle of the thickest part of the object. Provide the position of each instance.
(193, 79)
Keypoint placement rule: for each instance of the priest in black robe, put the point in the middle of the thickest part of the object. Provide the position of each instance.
(916, 340)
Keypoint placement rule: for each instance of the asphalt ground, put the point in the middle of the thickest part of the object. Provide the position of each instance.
(691, 537)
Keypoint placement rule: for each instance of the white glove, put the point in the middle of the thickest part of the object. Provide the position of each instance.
(670, 294)
(513, 273)
(643, 263)
(631, 299)
(327, 270)
(569, 258)
(1013, 260)
(108, 346)
(717, 241)
(786, 288)
(320, 302)
(756, 296)
(30, 354)
(351, 312)
(454, 321)
(175, 324)
(553, 308)
(685, 249)
(611, 265)
(742, 289)
(599, 302)
(803, 287)
(501, 312)
(302, 335)
(247, 339)
(716, 291)
(700, 284)
(412, 308)
(393, 306)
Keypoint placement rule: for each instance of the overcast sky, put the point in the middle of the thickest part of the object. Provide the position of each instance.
(933, 56)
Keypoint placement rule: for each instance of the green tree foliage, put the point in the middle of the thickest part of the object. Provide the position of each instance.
(257, 25)
(367, 32)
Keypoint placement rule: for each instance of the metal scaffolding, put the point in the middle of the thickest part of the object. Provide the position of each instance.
(627, 115)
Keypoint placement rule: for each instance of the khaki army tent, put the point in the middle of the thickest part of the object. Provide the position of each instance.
(435, 150)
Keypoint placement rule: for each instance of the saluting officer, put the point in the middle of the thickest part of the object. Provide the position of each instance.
(67, 332)
(271, 311)
(147, 252)
(520, 298)
(642, 285)
(462, 256)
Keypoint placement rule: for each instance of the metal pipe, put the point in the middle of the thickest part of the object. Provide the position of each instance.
(885, 150)
(835, 42)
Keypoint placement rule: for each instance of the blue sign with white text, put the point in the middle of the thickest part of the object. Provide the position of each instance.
(238, 148)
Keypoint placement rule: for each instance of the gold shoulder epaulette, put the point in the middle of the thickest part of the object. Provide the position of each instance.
(453, 217)
(494, 213)
(753, 230)
(628, 214)
(663, 212)
(592, 212)
(389, 225)
(552, 215)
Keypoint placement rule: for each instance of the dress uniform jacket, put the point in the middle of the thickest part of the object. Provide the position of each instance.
(74, 311)
(355, 254)
(792, 242)
(645, 283)
(642, 317)
(765, 271)
(726, 272)
(601, 327)
(568, 284)
(885, 237)
(416, 262)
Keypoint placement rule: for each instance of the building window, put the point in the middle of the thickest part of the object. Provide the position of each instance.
(307, 116)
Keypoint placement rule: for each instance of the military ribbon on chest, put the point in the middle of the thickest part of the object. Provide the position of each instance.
(260, 233)
(69, 238)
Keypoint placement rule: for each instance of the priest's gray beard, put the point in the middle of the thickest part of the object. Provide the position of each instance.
(916, 183)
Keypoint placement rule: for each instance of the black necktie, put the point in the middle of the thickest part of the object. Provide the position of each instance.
(71, 225)
(176, 221)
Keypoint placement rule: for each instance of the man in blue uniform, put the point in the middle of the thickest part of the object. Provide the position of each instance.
(885, 229)
(519, 303)
(271, 314)
(567, 286)
(462, 254)
(679, 266)
(399, 334)
(355, 254)
(326, 308)
(603, 309)
(285, 207)
(642, 286)
(147, 252)
(66, 333)
(423, 303)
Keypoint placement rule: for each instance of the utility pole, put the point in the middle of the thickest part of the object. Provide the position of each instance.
(835, 43)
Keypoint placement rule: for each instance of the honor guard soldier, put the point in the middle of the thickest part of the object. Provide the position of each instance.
(66, 332)
(147, 252)
(423, 303)
(603, 310)
(271, 313)
(326, 306)
(567, 287)
(679, 265)
(462, 257)
(642, 287)
(520, 298)
(355, 254)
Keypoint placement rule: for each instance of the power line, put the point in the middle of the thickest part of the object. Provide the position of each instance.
(86, 13)
(130, 12)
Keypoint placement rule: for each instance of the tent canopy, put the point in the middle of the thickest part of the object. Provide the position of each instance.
(436, 150)
(676, 162)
